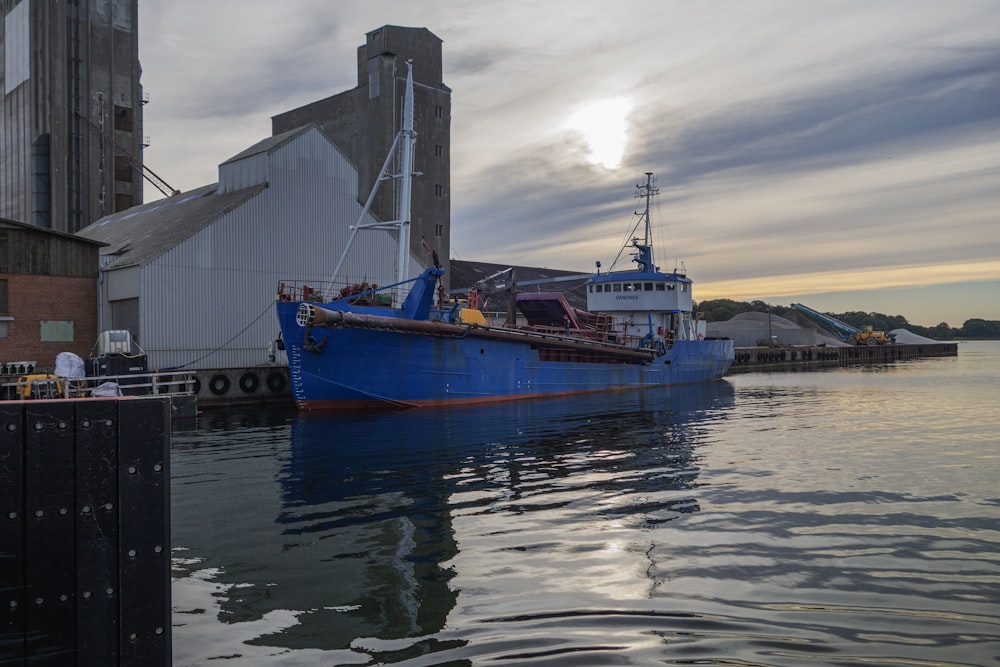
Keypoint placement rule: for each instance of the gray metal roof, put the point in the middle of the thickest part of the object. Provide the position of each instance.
(142, 233)
(270, 143)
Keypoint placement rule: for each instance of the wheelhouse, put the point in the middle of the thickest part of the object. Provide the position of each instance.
(639, 291)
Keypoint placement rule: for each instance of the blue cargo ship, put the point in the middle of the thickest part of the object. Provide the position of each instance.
(360, 350)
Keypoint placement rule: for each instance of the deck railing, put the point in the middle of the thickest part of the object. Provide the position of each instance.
(364, 293)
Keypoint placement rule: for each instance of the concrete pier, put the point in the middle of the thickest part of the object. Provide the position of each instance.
(782, 358)
(241, 386)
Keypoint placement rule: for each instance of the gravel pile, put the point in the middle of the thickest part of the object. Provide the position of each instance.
(764, 320)
(909, 338)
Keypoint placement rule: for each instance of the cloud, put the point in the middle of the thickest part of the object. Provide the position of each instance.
(795, 140)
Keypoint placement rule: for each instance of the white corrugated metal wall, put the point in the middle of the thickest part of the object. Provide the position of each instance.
(209, 302)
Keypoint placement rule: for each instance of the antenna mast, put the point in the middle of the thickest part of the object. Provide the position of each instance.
(646, 191)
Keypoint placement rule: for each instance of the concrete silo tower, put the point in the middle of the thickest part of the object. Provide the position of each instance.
(70, 111)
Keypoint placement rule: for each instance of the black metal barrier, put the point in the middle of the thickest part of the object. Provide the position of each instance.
(85, 532)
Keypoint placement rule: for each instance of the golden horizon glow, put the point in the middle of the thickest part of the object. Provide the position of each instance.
(823, 282)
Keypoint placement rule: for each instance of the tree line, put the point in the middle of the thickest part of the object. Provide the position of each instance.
(720, 310)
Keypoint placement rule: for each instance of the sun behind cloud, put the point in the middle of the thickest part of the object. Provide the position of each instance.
(604, 128)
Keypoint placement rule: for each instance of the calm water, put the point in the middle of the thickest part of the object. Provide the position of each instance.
(841, 517)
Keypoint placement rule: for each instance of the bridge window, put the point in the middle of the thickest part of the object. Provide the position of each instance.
(618, 287)
(660, 287)
(648, 287)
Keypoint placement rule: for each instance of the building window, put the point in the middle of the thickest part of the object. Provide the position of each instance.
(438, 230)
(438, 111)
(123, 169)
(123, 119)
(123, 202)
(438, 150)
(3, 298)
(373, 77)
(439, 190)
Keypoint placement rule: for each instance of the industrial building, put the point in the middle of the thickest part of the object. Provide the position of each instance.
(363, 122)
(194, 276)
(70, 111)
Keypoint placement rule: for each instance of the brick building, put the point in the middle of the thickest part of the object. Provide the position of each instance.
(48, 294)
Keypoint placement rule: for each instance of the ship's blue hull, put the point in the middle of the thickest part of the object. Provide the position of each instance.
(373, 367)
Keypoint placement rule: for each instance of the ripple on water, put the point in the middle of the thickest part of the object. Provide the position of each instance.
(835, 518)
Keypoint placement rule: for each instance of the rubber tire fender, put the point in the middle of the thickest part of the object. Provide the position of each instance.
(249, 382)
(219, 384)
(275, 382)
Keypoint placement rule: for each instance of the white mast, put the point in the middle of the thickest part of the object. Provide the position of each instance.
(405, 139)
(408, 139)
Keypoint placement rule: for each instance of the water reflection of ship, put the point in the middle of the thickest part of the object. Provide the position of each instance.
(380, 488)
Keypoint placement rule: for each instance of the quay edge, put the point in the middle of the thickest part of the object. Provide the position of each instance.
(217, 387)
(750, 359)
(269, 383)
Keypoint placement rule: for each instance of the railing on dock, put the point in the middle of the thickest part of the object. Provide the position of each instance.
(46, 385)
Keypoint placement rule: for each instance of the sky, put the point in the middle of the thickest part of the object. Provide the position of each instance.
(844, 155)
